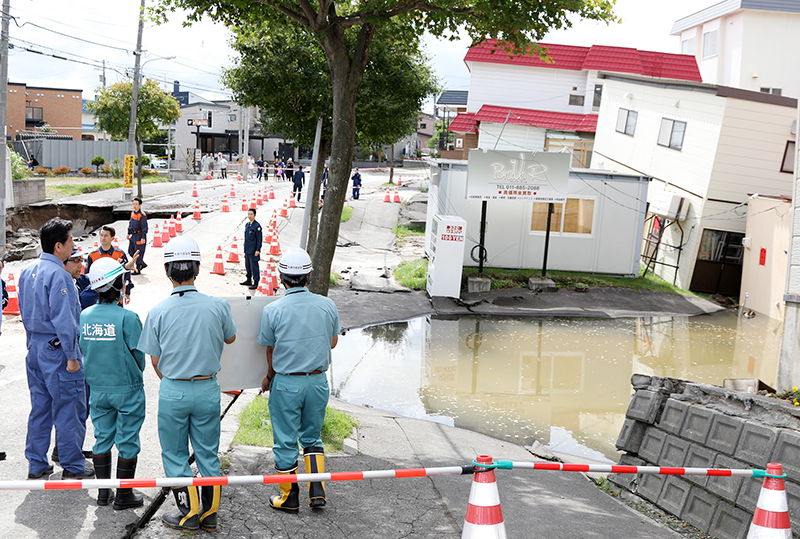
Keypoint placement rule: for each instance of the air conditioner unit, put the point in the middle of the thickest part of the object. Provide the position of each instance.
(669, 205)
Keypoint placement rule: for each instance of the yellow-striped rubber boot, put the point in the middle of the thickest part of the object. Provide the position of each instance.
(315, 463)
(209, 495)
(187, 519)
(289, 498)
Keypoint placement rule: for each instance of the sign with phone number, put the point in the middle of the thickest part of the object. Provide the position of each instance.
(521, 176)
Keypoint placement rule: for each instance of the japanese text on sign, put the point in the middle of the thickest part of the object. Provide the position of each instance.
(532, 176)
(453, 233)
(128, 171)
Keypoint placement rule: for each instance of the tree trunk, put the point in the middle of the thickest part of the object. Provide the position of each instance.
(313, 226)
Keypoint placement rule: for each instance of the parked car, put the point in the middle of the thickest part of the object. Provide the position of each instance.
(159, 163)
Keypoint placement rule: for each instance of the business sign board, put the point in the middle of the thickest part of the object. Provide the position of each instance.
(530, 176)
(198, 122)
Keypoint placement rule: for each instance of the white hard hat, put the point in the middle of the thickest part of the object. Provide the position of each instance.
(181, 249)
(295, 262)
(104, 272)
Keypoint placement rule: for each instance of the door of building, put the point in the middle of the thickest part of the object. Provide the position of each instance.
(718, 269)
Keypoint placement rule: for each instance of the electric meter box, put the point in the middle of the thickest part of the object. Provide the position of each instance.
(446, 255)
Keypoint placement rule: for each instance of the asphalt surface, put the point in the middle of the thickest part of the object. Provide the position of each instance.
(542, 504)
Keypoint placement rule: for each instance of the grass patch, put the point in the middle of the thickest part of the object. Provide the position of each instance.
(403, 231)
(347, 212)
(74, 189)
(255, 427)
(412, 274)
(225, 464)
(335, 278)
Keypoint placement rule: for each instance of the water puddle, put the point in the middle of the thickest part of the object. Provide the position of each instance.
(562, 382)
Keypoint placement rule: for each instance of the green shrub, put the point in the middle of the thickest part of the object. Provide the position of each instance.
(412, 273)
(97, 162)
(116, 168)
(19, 168)
(347, 212)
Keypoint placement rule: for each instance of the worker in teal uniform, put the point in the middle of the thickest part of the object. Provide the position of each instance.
(184, 336)
(113, 365)
(50, 312)
(299, 331)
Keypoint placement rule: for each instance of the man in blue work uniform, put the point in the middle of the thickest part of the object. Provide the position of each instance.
(252, 249)
(184, 336)
(137, 234)
(50, 312)
(299, 331)
(356, 184)
(107, 250)
(113, 367)
(298, 180)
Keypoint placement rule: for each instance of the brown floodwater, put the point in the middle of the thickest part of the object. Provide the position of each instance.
(562, 382)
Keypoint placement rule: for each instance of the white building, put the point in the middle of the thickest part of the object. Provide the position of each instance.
(711, 147)
(750, 44)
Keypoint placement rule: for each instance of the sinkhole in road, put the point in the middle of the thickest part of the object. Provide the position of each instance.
(561, 382)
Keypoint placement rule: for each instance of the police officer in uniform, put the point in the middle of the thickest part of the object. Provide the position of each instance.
(299, 331)
(137, 234)
(184, 336)
(51, 312)
(252, 250)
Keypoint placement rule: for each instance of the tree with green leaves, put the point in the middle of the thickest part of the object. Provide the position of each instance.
(154, 107)
(345, 30)
(284, 73)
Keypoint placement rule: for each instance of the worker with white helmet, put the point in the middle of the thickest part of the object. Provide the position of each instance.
(184, 336)
(299, 331)
(113, 366)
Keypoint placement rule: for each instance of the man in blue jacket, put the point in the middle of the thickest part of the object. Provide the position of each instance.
(252, 250)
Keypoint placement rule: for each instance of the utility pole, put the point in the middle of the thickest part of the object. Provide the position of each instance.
(246, 148)
(3, 104)
(126, 193)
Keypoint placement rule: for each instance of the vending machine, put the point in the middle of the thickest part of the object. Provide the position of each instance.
(446, 255)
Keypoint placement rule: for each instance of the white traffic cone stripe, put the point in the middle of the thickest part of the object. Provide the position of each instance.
(473, 531)
(772, 500)
(759, 532)
(484, 494)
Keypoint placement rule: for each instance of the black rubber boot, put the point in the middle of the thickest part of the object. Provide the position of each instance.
(126, 498)
(315, 463)
(102, 470)
(187, 519)
(210, 497)
(289, 498)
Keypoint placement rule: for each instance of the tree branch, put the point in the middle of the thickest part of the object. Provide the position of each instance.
(360, 17)
(279, 6)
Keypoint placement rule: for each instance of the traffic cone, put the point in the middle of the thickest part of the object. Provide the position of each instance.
(275, 245)
(13, 302)
(233, 192)
(387, 197)
(262, 285)
(245, 207)
(218, 268)
(194, 191)
(253, 202)
(396, 196)
(238, 175)
(271, 193)
(275, 282)
(225, 207)
(165, 233)
(115, 243)
(196, 215)
(292, 203)
(484, 515)
(157, 238)
(178, 224)
(267, 236)
(285, 209)
(83, 266)
(273, 222)
(96, 246)
(208, 176)
(400, 181)
(771, 519)
(259, 199)
(233, 257)
(173, 230)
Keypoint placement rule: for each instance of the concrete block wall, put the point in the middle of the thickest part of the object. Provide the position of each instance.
(680, 424)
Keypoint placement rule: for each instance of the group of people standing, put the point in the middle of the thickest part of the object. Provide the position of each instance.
(88, 360)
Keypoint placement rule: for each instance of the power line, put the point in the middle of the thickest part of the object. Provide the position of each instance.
(73, 37)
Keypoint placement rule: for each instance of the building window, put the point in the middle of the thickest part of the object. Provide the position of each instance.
(710, 44)
(773, 91)
(231, 117)
(687, 46)
(671, 133)
(626, 121)
(598, 95)
(787, 165)
(574, 217)
(576, 100)
(423, 126)
(34, 114)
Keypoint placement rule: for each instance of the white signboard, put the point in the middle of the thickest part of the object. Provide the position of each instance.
(536, 176)
(244, 362)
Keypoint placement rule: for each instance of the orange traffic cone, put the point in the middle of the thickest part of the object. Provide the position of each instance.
(173, 231)
(484, 515)
(271, 193)
(238, 175)
(771, 518)
(178, 224)
(273, 278)
(262, 285)
(253, 202)
(196, 215)
(83, 266)
(165, 233)
(225, 207)
(233, 193)
(13, 302)
(157, 238)
(275, 245)
(194, 191)
(285, 209)
(96, 246)
(115, 243)
(218, 268)
(400, 181)
(208, 176)
(273, 222)
(387, 197)
(233, 257)
(267, 236)
(259, 199)
(292, 203)
(245, 207)
(396, 196)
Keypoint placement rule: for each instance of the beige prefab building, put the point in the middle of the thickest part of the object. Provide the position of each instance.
(766, 250)
(708, 148)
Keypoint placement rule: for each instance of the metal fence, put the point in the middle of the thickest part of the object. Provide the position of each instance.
(74, 154)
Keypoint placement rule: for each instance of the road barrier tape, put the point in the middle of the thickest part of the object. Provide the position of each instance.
(617, 468)
(233, 480)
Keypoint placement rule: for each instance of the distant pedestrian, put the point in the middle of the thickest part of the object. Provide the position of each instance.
(275, 164)
(299, 180)
(252, 250)
(259, 168)
(356, 185)
(137, 235)
(223, 167)
(32, 162)
(289, 172)
(325, 174)
(280, 171)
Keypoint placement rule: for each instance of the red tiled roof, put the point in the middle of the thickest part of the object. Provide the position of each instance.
(597, 57)
(463, 123)
(545, 119)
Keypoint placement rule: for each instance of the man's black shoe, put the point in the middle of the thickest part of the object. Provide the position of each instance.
(44, 473)
(142, 266)
(87, 473)
(248, 282)
(2, 455)
(87, 454)
(253, 286)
